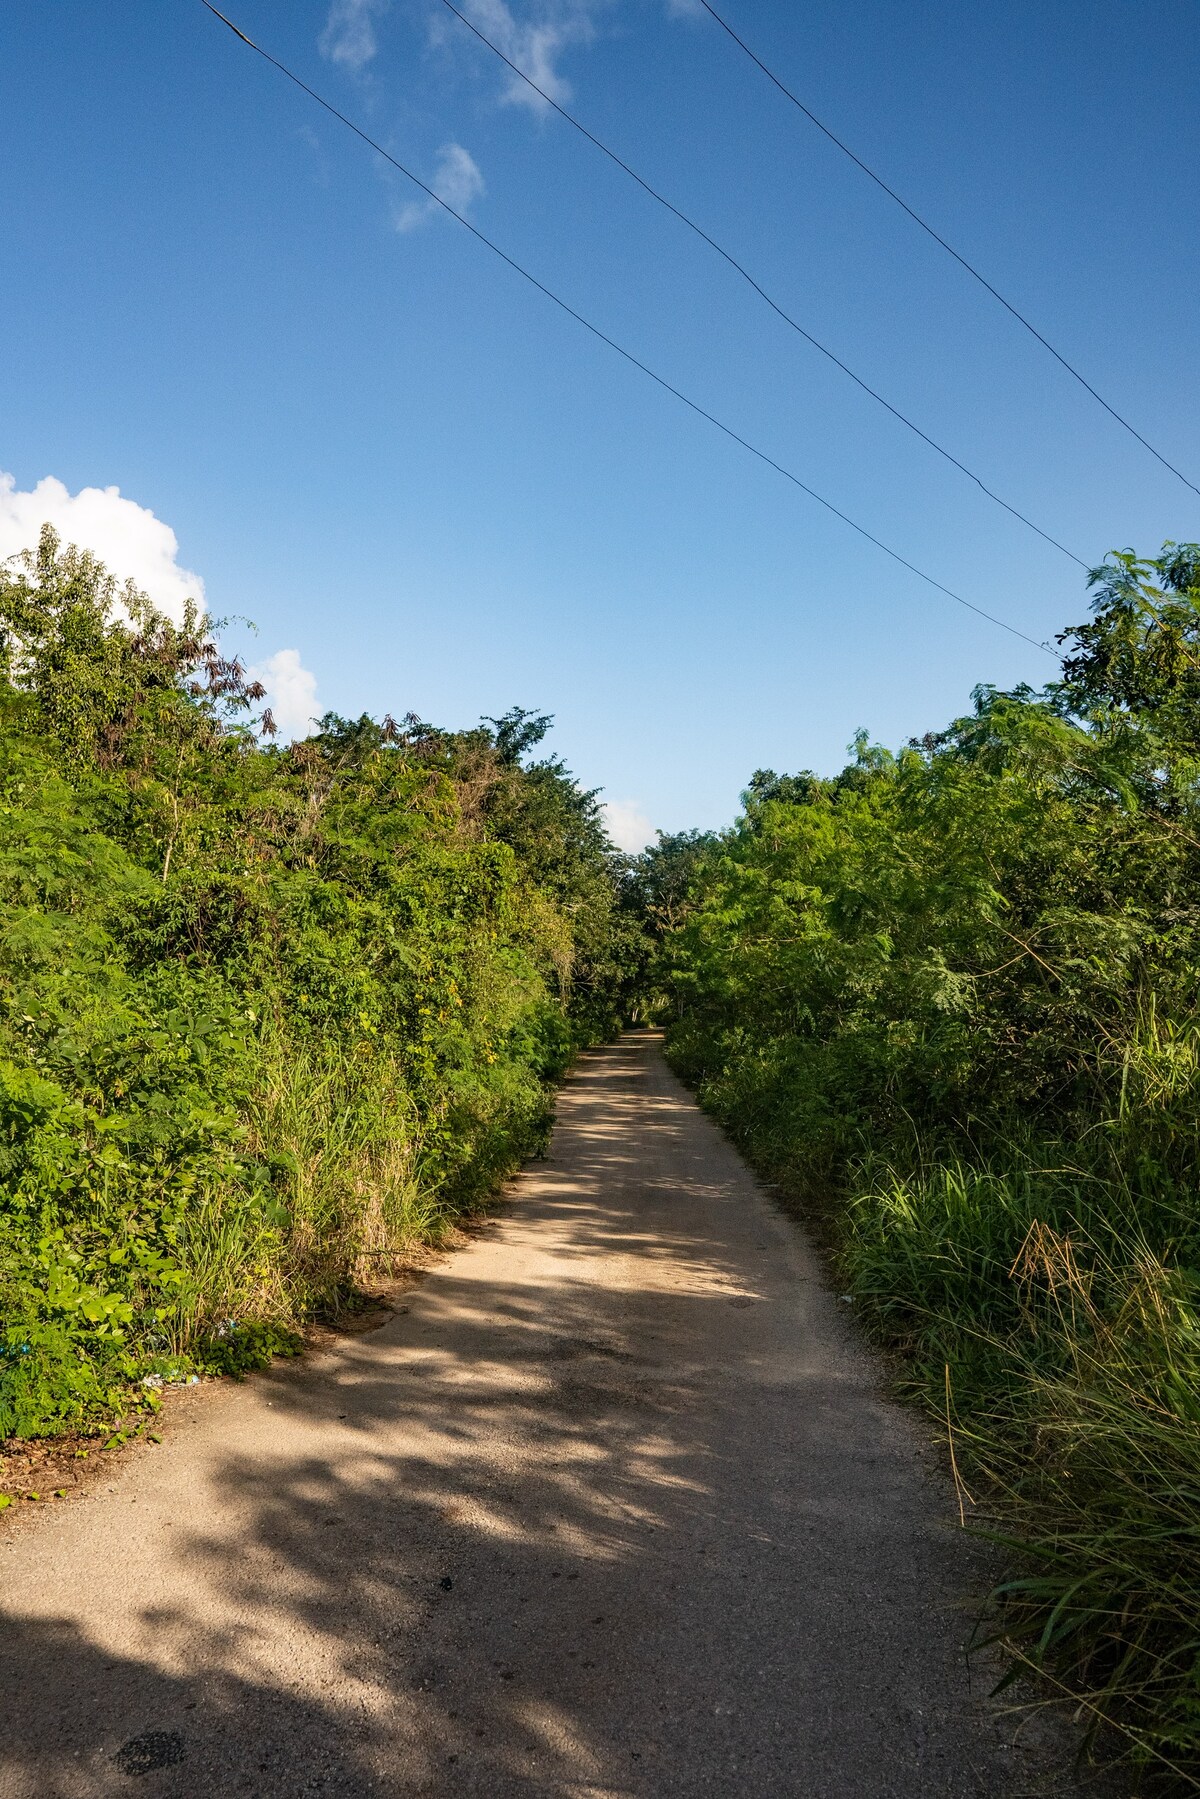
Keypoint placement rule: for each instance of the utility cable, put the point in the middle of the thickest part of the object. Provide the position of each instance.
(760, 291)
(612, 344)
(938, 239)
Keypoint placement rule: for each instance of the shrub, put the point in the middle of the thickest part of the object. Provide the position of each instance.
(267, 1015)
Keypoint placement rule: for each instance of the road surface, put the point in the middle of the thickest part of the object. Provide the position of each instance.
(614, 1509)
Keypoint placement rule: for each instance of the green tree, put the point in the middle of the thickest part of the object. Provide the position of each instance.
(267, 1012)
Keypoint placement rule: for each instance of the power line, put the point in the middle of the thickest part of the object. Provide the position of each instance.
(949, 248)
(612, 344)
(787, 318)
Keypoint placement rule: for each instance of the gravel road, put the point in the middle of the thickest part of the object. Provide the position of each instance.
(613, 1509)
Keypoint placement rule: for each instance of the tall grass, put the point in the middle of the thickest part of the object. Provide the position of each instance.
(949, 998)
(1041, 1295)
(1063, 1352)
(268, 1016)
(362, 1179)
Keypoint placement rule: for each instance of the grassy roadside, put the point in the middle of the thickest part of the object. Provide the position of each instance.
(269, 1016)
(38, 1473)
(950, 998)
(1056, 1354)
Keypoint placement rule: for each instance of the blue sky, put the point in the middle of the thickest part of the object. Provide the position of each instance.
(433, 492)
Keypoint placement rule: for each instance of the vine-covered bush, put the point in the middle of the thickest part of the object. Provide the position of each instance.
(267, 1015)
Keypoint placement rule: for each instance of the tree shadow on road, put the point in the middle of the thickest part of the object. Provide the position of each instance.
(575, 1536)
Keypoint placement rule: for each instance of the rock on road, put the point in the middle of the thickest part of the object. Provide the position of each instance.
(615, 1508)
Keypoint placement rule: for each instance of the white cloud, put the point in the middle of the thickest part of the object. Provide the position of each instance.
(291, 692)
(534, 45)
(627, 824)
(456, 180)
(132, 542)
(349, 35)
(127, 537)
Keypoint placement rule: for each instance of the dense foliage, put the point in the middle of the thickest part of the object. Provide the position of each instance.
(956, 989)
(267, 1014)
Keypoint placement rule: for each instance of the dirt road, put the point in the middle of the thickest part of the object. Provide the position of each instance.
(614, 1508)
